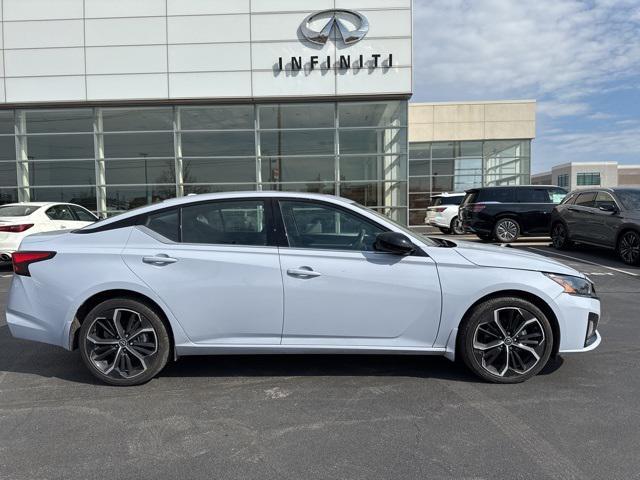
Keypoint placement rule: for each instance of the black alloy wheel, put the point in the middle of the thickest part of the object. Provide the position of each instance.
(629, 248)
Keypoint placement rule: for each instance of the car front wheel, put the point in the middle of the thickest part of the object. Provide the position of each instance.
(560, 236)
(506, 340)
(629, 248)
(124, 342)
(506, 230)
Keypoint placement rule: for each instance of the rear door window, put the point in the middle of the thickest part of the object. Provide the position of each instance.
(165, 223)
(604, 199)
(501, 195)
(533, 195)
(586, 199)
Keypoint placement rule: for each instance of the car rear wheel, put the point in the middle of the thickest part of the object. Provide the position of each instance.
(506, 230)
(456, 226)
(124, 342)
(506, 340)
(629, 248)
(560, 236)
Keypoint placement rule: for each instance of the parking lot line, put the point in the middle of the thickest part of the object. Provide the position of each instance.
(547, 252)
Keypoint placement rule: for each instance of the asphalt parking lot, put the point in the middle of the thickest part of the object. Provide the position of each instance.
(361, 417)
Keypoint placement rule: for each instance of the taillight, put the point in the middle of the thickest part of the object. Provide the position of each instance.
(478, 208)
(441, 209)
(22, 260)
(16, 228)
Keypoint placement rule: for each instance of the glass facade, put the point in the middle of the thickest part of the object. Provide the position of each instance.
(113, 159)
(436, 167)
(588, 179)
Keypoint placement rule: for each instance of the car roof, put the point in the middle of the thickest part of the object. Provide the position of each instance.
(186, 200)
(35, 204)
(446, 194)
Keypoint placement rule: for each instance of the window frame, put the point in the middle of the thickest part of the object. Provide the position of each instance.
(284, 239)
(272, 240)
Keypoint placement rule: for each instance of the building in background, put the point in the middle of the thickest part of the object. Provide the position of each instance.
(457, 146)
(575, 175)
(114, 105)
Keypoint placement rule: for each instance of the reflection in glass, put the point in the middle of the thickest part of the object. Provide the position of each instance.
(297, 142)
(219, 170)
(310, 187)
(8, 148)
(442, 150)
(59, 121)
(137, 119)
(85, 196)
(314, 115)
(217, 118)
(392, 140)
(8, 195)
(419, 167)
(376, 194)
(132, 145)
(376, 167)
(218, 144)
(201, 189)
(67, 172)
(374, 114)
(8, 174)
(54, 147)
(7, 122)
(140, 171)
(120, 199)
(298, 169)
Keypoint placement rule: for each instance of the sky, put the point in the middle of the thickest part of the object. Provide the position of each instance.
(579, 59)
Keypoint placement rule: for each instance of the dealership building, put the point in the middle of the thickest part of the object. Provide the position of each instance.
(114, 104)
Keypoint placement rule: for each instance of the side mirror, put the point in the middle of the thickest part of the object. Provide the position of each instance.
(395, 243)
(608, 207)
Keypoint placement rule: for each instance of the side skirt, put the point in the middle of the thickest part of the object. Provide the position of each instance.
(184, 350)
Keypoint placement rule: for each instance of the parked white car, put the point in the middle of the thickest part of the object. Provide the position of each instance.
(18, 220)
(276, 272)
(443, 213)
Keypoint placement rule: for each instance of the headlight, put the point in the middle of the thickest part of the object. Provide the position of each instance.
(582, 287)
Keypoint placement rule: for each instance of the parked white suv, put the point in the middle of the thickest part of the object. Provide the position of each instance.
(443, 213)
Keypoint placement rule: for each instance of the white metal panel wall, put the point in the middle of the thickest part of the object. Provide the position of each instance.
(84, 50)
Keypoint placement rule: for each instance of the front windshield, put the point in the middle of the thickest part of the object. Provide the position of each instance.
(630, 198)
(408, 232)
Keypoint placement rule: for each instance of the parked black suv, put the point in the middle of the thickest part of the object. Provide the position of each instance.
(607, 217)
(505, 213)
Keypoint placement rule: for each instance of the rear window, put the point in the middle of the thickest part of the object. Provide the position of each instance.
(447, 200)
(630, 198)
(541, 195)
(470, 197)
(17, 210)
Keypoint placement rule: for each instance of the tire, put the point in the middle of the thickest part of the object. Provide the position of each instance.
(518, 357)
(124, 342)
(629, 247)
(446, 231)
(560, 236)
(506, 230)
(456, 226)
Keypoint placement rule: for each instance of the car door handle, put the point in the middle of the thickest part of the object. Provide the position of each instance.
(303, 272)
(159, 260)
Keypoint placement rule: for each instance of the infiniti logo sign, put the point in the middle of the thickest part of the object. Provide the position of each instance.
(352, 26)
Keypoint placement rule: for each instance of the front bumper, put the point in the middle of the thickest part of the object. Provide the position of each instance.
(575, 316)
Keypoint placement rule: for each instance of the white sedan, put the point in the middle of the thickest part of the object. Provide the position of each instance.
(17, 220)
(275, 272)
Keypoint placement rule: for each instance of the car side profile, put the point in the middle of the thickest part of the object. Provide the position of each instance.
(506, 213)
(17, 220)
(275, 272)
(443, 213)
(605, 217)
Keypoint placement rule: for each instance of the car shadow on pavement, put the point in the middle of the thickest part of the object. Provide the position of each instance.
(51, 362)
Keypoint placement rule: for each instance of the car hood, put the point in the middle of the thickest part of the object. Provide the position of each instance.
(505, 257)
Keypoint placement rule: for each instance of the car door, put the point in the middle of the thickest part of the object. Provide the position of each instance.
(338, 291)
(581, 213)
(217, 268)
(61, 217)
(605, 223)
